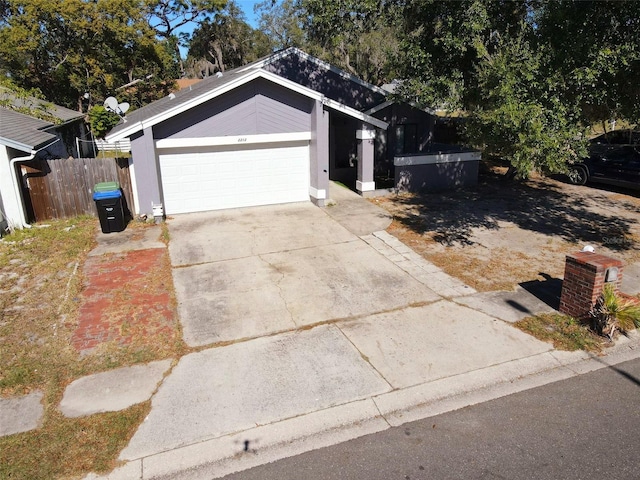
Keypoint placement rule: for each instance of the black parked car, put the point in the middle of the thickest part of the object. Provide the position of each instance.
(614, 158)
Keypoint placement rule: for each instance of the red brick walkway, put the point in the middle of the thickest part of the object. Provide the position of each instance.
(127, 298)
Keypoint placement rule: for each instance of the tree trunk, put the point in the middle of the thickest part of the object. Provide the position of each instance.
(180, 62)
(511, 174)
(216, 55)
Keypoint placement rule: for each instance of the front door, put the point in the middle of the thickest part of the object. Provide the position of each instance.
(343, 150)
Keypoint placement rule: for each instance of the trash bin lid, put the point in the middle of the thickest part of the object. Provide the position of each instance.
(105, 195)
(106, 186)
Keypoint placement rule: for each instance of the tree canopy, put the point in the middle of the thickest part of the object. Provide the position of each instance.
(594, 48)
(69, 48)
(80, 51)
(360, 36)
(529, 76)
(167, 16)
(282, 23)
(225, 41)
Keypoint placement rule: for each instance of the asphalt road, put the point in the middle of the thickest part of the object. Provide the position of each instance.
(587, 427)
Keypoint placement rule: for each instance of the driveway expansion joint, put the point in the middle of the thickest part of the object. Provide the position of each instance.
(365, 358)
(259, 255)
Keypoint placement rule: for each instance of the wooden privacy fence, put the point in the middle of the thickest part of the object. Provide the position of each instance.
(63, 187)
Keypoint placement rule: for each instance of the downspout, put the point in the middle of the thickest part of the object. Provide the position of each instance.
(16, 185)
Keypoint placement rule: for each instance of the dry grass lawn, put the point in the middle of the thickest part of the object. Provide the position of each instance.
(492, 237)
(40, 285)
(501, 234)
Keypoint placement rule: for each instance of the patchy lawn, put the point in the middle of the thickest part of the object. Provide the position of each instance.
(563, 332)
(501, 234)
(41, 286)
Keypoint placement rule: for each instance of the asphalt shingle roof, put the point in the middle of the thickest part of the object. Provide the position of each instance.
(358, 96)
(62, 113)
(22, 131)
(178, 98)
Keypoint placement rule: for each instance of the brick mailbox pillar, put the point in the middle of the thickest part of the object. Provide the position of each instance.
(585, 274)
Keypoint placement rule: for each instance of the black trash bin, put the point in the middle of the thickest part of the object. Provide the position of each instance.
(110, 210)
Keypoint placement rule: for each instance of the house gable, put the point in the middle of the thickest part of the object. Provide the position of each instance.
(339, 88)
(257, 108)
(237, 118)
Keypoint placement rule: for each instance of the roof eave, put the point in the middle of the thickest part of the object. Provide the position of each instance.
(23, 147)
(124, 132)
(379, 107)
(180, 108)
(71, 120)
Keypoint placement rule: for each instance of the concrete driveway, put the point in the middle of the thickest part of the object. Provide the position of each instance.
(318, 326)
(306, 322)
(247, 273)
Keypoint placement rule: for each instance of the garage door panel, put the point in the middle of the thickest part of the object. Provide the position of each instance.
(230, 179)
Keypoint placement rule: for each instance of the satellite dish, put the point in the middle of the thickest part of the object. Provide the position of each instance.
(122, 108)
(112, 105)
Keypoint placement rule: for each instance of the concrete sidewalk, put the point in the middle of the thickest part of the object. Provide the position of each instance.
(274, 397)
(259, 389)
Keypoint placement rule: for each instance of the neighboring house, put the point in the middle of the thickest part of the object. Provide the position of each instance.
(24, 138)
(183, 83)
(277, 131)
(4, 224)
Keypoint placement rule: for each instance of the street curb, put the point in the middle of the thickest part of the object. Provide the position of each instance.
(216, 458)
(460, 391)
(265, 444)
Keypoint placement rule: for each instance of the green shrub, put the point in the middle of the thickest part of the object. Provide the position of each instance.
(612, 313)
(102, 120)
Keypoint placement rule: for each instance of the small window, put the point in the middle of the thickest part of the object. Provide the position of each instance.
(406, 138)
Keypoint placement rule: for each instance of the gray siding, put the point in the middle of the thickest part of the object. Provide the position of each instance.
(403, 114)
(146, 170)
(260, 107)
(330, 84)
(181, 97)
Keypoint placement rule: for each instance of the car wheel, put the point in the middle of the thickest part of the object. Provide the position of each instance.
(578, 175)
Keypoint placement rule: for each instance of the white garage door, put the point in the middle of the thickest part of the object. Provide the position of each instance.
(196, 182)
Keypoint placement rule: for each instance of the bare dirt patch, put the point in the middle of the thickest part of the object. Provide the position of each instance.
(500, 234)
